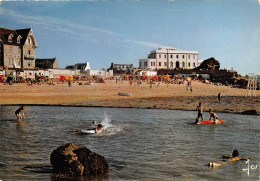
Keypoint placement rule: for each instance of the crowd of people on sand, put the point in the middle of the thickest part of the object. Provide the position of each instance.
(157, 80)
(153, 81)
(40, 79)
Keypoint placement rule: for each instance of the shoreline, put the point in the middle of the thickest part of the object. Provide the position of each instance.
(132, 103)
(162, 96)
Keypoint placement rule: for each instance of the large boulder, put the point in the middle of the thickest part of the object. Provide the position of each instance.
(210, 64)
(76, 160)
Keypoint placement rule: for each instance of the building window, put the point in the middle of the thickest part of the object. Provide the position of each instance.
(159, 55)
(10, 37)
(194, 65)
(183, 56)
(183, 64)
(189, 64)
(19, 63)
(10, 61)
(177, 56)
(29, 63)
(160, 64)
(164, 56)
(171, 56)
(140, 64)
(189, 56)
(18, 39)
(29, 52)
(165, 64)
(29, 41)
(171, 64)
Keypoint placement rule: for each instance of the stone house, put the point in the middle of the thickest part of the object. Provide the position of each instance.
(17, 48)
(120, 68)
(47, 63)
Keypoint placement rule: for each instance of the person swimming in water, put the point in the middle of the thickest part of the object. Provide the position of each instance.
(232, 158)
(20, 113)
(100, 127)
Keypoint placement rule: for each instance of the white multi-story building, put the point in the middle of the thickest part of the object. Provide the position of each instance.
(169, 58)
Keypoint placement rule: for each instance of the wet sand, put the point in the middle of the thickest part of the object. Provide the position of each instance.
(142, 96)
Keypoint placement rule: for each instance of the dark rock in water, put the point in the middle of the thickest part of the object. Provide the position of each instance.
(77, 160)
(250, 112)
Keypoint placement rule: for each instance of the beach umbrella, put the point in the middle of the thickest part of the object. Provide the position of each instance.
(62, 78)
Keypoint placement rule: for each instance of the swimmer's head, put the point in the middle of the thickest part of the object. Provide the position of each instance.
(100, 126)
(235, 153)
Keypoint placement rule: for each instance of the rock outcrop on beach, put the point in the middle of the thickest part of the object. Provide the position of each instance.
(210, 64)
(71, 160)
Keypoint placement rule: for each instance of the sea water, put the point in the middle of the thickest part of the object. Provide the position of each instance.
(140, 144)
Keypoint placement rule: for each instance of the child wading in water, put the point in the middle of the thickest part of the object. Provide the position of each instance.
(20, 113)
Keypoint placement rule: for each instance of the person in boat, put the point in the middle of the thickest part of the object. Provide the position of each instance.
(214, 116)
(20, 113)
(200, 113)
(100, 127)
(232, 158)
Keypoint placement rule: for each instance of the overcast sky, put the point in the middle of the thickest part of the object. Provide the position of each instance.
(125, 31)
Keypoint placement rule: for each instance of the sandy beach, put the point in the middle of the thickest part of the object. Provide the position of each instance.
(159, 96)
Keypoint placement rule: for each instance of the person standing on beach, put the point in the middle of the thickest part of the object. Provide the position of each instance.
(69, 82)
(219, 97)
(20, 113)
(200, 111)
(151, 84)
